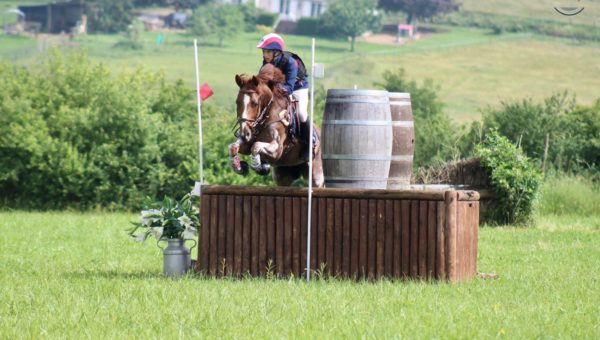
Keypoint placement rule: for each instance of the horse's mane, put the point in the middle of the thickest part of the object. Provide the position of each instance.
(270, 73)
(272, 76)
(267, 81)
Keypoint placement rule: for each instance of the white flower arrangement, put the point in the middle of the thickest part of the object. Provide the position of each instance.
(167, 219)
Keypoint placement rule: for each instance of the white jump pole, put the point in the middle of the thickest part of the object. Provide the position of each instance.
(310, 158)
(199, 100)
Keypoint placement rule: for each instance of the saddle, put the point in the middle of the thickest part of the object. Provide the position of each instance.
(295, 117)
(295, 128)
(291, 119)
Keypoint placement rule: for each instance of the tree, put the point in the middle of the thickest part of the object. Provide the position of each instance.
(528, 123)
(109, 16)
(176, 3)
(352, 18)
(222, 21)
(420, 9)
(582, 141)
(435, 134)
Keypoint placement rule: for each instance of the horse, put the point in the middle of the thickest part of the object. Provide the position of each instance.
(264, 114)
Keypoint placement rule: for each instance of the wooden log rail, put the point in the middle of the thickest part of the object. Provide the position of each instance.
(418, 234)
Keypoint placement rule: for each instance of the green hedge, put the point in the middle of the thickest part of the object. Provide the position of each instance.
(308, 26)
(73, 134)
(267, 19)
(573, 131)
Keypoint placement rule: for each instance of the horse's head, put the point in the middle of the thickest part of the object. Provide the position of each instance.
(250, 101)
(256, 92)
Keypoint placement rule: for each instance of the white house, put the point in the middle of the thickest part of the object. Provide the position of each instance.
(289, 10)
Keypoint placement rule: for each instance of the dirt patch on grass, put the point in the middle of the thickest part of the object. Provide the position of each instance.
(390, 39)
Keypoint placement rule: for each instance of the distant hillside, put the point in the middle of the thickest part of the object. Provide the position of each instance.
(538, 9)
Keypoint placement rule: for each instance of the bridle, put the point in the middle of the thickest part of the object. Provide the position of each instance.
(256, 125)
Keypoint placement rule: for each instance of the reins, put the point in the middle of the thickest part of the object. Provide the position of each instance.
(258, 124)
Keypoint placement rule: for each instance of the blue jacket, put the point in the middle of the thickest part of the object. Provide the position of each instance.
(290, 71)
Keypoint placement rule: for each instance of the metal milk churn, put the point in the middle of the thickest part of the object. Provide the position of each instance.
(177, 260)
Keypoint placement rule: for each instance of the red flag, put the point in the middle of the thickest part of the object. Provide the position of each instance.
(205, 91)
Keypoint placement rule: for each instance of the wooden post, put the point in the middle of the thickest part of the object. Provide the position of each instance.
(440, 240)
(451, 200)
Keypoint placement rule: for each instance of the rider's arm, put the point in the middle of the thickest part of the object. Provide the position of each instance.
(290, 76)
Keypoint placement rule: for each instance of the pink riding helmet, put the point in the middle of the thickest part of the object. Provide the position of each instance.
(271, 41)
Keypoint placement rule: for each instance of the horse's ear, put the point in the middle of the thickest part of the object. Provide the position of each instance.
(238, 80)
(255, 81)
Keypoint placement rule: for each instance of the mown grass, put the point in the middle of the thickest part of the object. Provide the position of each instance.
(473, 68)
(73, 275)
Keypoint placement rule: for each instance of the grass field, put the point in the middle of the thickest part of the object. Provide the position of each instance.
(473, 68)
(543, 9)
(78, 275)
(74, 275)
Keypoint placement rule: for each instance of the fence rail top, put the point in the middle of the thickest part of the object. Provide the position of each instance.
(430, 195)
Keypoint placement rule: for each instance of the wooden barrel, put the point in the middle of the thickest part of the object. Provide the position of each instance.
(357, 139)
(403, 145)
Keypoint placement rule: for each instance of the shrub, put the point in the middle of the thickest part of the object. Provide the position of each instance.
(267, 19)
(435, 133)
(572, 131)
(527, 123)
(251, 14)
(580, 147)
(220, 21)
(514, 177)
(308, 26)
(73, 135)
(131, 40)
(352, 18)
(264, 30)
(109, 16)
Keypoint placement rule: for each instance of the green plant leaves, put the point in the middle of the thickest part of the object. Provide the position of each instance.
(514, 177)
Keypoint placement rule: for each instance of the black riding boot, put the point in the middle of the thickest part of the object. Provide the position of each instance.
(305, 140)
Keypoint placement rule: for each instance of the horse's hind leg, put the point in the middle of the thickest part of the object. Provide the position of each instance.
(284, 176)
(317, 171)
(318, 177)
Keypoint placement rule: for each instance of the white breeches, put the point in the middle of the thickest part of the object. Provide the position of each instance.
(302, 97)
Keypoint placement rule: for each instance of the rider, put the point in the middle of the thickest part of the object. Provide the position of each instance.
(296, 85)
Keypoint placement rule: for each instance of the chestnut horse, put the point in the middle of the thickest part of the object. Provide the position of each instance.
(263, 119)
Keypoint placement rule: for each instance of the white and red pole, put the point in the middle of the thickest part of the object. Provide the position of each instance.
(198, 186)
(310, 158)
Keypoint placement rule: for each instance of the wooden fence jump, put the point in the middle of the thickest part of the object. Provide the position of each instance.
(416, 234)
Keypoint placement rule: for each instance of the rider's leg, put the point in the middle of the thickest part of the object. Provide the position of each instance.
(302, 98)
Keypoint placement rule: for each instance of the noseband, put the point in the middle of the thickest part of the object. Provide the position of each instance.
(256, 125)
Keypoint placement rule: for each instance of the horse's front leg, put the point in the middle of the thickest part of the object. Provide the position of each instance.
(240, 167)
(270, 150)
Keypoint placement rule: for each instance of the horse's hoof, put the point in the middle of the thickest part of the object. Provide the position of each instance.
(263, 170)
(243, 168)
